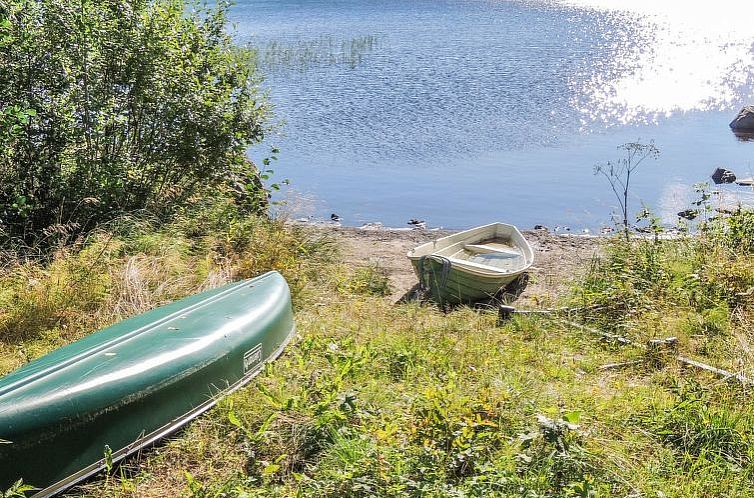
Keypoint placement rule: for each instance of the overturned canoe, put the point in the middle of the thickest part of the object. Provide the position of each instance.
(472, 265)
(130, 384)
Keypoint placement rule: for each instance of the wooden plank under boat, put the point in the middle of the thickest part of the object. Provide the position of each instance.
(137, 381)
(472, 265)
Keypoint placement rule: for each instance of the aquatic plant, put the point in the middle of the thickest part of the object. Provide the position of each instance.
(323, 51)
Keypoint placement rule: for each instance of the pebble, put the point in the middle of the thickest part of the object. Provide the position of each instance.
(371, 226)
(419, 224)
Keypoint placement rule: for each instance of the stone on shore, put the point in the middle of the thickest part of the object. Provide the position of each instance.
(744, 121)
(722, 175)
(689, 214)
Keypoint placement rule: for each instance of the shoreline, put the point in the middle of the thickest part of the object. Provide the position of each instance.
(379, 226)
(558, 258)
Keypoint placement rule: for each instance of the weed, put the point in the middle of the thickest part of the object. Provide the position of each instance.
(454, 434)
(553, 459)
(18, 489)
(698, 427)
(366, 280)
(231, 487)
(618, 174)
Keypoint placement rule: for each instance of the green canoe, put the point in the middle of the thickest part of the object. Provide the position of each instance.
(131, 384)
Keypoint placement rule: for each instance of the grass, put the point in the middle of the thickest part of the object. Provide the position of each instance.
(136, 265)
(381, 399)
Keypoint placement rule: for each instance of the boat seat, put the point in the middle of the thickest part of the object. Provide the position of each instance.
(472, 264)
(483, 249)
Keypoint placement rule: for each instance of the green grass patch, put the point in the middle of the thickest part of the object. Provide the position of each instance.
(380, 399)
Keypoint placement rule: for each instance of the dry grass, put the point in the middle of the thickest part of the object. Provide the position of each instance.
(116, 274)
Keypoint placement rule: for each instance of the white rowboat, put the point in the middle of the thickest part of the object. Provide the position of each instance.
(472, 265)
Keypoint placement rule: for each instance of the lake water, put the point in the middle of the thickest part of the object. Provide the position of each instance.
(465, 112)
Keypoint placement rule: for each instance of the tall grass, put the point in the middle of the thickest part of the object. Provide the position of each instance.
(698, 288)
(378, 399)
(137, 264)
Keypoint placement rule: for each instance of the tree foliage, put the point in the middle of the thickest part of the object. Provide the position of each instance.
(112, 106)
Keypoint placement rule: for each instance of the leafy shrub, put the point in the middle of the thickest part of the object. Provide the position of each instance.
(554, 462)
(118, 106)
(734, 232)
(455, 435)
(724, 271)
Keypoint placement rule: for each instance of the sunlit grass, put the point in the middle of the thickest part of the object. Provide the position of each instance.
(138, 265)
(380, 399)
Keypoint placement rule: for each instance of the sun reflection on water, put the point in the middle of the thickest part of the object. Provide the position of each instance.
(693, 56)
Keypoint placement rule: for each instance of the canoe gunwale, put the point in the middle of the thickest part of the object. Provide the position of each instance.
(432, 248)
(148, 440)
(35, 376)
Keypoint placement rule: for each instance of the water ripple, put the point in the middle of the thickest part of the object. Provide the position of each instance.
(390, 85)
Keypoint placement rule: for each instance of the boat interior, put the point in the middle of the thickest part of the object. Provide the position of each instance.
(494, 253)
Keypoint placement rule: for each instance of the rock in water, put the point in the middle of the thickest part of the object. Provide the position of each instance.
(421, 224)
(744, 121)
(688, 214)
(722, 175)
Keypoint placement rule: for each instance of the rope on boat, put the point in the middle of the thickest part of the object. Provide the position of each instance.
(424, 282)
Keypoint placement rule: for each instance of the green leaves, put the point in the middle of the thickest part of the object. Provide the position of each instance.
(18, 489)
(143, 105)
(572, 418)
(108, 456)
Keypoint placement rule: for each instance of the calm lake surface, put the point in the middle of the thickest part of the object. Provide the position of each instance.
(466, 112)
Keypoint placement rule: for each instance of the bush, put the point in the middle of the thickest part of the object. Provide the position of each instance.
(119, 106)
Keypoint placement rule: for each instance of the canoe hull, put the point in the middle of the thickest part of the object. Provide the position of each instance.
(126, 386)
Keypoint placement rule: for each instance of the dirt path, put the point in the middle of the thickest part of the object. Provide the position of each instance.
(557, 258)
